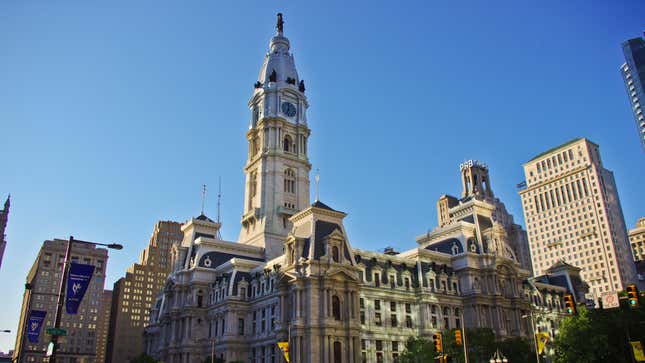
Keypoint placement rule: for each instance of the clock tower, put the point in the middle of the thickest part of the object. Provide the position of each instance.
(277, 169)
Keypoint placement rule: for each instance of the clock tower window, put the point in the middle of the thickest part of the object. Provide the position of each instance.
(288, 144)
(289, 181)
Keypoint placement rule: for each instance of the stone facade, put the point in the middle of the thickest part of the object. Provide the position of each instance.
(573, 214)
(79, 346)
(637, 240)
(134, 294)
(294, 276)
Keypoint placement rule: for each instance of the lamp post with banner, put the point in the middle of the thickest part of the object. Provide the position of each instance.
(56, 330)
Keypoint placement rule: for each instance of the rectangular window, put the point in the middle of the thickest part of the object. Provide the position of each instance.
(393, 320)
(377, 304)
(377, 319)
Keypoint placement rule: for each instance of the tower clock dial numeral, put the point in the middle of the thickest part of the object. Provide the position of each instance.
(288, 109)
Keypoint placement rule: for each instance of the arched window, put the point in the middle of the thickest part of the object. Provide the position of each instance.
(253, 183)
(200, 298)
(338, 355)
(288, 145)
(335, 254)
(289, 181)
(335, 307)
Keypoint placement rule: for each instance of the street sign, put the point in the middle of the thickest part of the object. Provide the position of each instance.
(610, 300)
(56, 331)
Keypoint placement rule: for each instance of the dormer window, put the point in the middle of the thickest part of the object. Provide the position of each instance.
(335, 254)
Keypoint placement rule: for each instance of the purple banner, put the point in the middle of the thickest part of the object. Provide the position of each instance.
(35, 324)
(79, 279)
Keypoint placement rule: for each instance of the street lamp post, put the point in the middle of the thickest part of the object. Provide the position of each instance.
(61, 289)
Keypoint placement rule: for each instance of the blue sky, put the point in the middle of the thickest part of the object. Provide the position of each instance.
(112, 115)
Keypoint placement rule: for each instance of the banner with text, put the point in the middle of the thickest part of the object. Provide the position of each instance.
(35, 324)
(79, 279)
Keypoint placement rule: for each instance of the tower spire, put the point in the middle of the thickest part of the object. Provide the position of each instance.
(280, 24)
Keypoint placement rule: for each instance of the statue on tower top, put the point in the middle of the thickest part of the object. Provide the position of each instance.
(280, 25)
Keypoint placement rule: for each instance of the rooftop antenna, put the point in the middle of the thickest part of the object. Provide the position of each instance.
(219, 207)
(219, 201)
(203, 197)
(317, 177)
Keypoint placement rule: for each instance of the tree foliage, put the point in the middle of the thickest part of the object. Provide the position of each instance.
(516, 349)
(600, 335)
(143, 358)
(417, 350)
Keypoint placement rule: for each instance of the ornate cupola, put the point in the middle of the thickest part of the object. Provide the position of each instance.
(277, 169)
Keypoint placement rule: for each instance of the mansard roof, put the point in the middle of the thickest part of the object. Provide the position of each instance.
(202, 217)
(321, 205)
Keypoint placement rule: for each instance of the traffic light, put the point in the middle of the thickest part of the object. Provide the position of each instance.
(458, 337)
(569, 304)
(436, 338)
(632, 295)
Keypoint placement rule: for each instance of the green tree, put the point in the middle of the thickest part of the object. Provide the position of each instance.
(516, 349)
(417, 350)
(582, 339)
(481, 344)
(143, 358)
(455, 352)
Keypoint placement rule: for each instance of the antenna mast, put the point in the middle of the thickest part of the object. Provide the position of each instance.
(203, 197)
(317, 184)
(219, 207)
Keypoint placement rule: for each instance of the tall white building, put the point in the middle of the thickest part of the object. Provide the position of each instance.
(277, 169)
(573, 214)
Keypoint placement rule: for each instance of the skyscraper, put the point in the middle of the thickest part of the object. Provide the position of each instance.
(44, 281)
(102, 326)
(573, 214)
(134, 294)
(4, 217)
(633, 72)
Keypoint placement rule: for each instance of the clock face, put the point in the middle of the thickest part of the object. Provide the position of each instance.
(288, 109)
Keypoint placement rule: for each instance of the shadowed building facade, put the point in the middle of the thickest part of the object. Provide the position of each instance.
(80, 344)
(294, 276)
(134, 294)
(102, 326)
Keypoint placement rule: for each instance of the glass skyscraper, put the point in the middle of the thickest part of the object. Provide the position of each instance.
(633, 72)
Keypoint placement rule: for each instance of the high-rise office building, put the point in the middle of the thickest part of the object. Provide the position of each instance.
(573, 214)
(633, 72)
(44, 280)
(134, 294)
(102, 326)
(4, 217)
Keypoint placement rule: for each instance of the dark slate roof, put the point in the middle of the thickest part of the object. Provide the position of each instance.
(219, 258)
(322, 230)
(202, 217)
(321, 205)
(445, 246)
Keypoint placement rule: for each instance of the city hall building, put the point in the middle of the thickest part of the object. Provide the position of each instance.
(294, 276)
